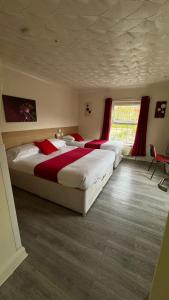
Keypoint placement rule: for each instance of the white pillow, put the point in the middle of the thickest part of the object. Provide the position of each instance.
(21, 152)
(57, 143)
(68, 138)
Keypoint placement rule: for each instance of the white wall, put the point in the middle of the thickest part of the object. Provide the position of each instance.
(160, 286)
(11, 251)
(57, 105)
(158, 129)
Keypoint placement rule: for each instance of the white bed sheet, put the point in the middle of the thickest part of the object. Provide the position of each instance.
(81, 174)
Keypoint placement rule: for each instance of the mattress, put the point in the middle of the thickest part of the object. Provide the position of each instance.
(81, 174)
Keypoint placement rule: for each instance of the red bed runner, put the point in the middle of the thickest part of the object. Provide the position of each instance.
(95, 144)
(49, 169)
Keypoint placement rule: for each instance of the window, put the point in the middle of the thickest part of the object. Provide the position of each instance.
(125, 118)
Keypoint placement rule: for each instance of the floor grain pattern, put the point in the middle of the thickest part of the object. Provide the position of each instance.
(108, 255)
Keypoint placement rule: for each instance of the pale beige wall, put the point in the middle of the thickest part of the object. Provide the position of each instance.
(7, 242)
(157, 128)
(160, 286)
(0, 139)
(57, 105)
(11, 252)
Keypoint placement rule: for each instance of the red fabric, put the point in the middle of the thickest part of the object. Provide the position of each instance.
(139, 147)
(50, 168)
(107, 119)
(46, 147)
(95, 144)
(162, 158)
(77, 137)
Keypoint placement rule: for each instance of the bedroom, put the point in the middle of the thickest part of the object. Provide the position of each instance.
(60, 55)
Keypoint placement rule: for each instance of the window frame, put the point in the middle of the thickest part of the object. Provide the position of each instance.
(125, 102)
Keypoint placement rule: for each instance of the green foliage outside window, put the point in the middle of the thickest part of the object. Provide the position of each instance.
(125, 118)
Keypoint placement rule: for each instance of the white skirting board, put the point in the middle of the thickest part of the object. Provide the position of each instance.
(7, 270)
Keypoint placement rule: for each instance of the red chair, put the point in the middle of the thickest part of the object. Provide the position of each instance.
(157, 158)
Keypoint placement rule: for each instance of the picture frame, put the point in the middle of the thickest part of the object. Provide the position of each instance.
(160, 109)
(18, 109)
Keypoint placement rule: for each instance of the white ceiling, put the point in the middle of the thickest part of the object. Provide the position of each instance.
(101, 43)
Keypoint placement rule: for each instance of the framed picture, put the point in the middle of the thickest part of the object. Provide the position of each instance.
(19, 109)
(160, 109)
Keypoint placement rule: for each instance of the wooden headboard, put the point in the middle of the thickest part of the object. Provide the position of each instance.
(16, 138)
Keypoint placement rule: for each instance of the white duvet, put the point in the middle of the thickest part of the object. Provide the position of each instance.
(116, 146)
(80, 174)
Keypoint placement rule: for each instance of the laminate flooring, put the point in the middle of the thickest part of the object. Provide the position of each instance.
(110, 254)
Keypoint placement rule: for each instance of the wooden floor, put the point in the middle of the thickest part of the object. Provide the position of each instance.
(109, 254)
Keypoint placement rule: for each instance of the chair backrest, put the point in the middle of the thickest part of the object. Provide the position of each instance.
(153, 151)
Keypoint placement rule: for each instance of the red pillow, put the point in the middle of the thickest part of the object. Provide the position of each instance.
(77, 137)
(46, 147)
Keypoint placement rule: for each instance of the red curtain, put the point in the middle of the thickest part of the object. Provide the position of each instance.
(107, 119)
(139, 147)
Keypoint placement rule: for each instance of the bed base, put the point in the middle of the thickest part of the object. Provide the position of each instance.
(118, 159)
(72, 198)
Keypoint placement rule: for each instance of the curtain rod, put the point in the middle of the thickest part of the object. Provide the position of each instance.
(125, 100)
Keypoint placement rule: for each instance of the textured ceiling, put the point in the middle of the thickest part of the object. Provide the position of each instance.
(88, 43)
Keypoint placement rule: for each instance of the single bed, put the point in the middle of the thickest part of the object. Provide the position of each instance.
(78, 184)
(116, 146)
